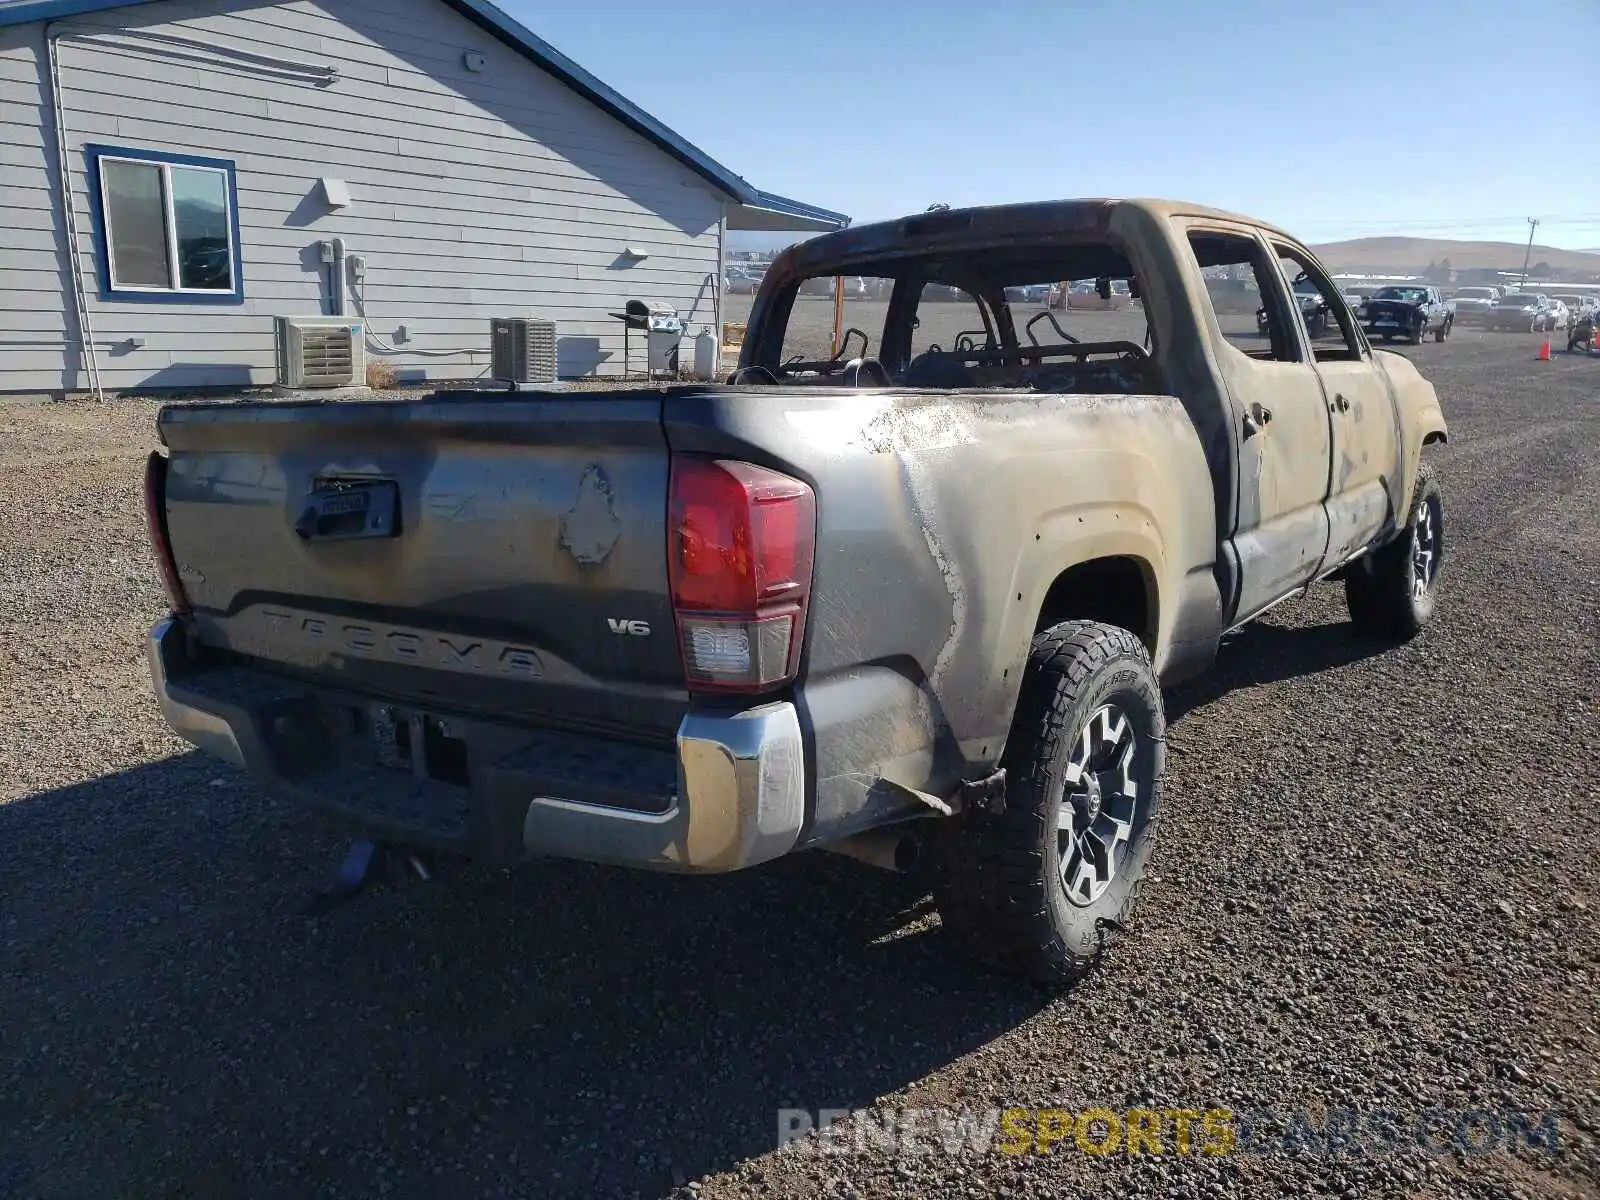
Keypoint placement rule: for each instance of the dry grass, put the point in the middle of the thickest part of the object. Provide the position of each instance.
(381, 374)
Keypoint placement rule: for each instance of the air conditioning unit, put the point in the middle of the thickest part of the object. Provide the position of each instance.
(321, 352)
(522, 350)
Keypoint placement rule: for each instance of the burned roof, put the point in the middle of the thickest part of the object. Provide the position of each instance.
(956, 230)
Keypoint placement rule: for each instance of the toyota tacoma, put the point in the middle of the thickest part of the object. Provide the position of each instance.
(911, 596)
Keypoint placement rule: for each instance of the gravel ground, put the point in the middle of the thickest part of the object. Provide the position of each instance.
(1376, 888)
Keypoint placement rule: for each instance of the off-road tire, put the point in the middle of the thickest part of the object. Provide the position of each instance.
(997, 878)
(1443, 331)
(1380, 588)
(1416, 335)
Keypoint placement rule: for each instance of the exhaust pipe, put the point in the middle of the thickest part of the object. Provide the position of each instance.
(887, 849)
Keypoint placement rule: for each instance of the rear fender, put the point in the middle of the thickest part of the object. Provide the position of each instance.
(1064, 539)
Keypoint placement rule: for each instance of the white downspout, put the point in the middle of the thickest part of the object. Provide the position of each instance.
(722, 275)
(69, 209)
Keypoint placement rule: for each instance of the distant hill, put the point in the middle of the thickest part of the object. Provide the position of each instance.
(1413, 254)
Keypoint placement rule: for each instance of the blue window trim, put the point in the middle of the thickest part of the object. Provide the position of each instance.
(93, 153)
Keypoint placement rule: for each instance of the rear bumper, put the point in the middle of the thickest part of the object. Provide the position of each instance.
(729, 794)
(1400, 321)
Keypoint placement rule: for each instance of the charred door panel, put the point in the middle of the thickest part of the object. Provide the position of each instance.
(1367, 466)
(1285, 447)
(1279, 416)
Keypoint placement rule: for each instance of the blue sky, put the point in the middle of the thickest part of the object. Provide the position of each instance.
(1339, 118)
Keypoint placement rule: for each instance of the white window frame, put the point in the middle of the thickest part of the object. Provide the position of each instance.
(114, 288)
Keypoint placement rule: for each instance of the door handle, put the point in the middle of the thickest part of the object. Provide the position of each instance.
(1261, 413)
(1341, 403)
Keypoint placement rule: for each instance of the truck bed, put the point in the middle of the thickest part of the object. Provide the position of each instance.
(524, 528)
(515, 640)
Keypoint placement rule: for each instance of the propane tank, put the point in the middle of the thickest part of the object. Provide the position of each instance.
(707, 352)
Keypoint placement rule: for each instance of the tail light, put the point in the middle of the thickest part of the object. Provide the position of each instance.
(155, 517)
(741, 540)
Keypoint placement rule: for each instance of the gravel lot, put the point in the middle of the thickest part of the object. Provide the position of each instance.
(1377, 887)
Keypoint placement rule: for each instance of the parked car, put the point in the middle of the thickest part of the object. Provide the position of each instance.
(1313, 309)
(1559, 316)
(745, 279)
(1575, 304)
(1085, 294)
(855, 287)
(1411, 311)
(693, 632)
(1473, 304)
(1029, 293)
(1527, 312)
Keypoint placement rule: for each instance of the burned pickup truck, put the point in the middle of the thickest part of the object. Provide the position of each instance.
(910, 597)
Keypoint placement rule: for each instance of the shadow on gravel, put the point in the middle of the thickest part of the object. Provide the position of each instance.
(172, 1025)
(1261, 653)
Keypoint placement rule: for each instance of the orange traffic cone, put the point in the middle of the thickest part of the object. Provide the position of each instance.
(1544, 349)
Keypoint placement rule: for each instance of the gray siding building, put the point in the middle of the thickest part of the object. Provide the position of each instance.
(174, 174)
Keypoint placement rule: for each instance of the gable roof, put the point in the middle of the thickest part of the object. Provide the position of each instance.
(762, 210)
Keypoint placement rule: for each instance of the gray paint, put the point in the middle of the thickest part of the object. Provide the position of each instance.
(475, 194)
(945, 518)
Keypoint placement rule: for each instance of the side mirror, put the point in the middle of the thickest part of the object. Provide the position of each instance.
(1102, 287)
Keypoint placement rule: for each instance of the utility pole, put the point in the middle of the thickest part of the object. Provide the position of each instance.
(1533, 223)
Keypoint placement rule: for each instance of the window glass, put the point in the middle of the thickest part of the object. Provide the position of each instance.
(1239, 284)
(1325, 315)
(200, 217)
(137, 224)
(166, 225)
(808, 337)
(948, 318)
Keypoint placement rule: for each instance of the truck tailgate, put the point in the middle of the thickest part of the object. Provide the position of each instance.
(471, 553)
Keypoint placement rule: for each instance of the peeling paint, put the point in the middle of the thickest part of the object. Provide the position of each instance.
(590, 528)
(922, 427)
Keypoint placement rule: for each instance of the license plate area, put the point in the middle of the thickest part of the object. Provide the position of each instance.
(418, 744)
(337, 509)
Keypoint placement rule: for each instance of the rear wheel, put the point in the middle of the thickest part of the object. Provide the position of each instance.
(1040, 888)
(1391, 592)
